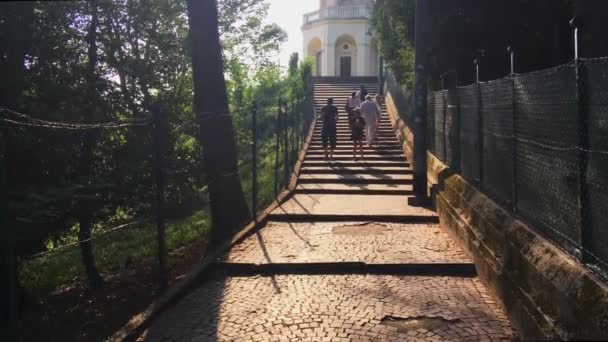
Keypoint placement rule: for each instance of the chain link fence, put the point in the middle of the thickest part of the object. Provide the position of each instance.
(537, 144)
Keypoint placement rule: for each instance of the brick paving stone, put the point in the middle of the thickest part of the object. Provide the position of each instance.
(282, 242)
(321, 307)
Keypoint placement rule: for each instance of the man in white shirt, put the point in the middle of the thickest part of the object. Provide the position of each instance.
(371, 114)
(351, 103)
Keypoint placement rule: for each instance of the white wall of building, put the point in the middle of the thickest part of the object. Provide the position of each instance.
(330, 33)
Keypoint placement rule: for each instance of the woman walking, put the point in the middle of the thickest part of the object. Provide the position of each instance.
(329, 113)
(358, 126)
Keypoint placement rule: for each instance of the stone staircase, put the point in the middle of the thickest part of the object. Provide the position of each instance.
(324, 269)
(338, 189)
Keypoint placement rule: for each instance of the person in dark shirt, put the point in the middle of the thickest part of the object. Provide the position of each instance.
(358, 126)
(362, 93)
(329, 114)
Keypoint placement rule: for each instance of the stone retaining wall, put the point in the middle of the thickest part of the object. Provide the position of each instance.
(548, 293)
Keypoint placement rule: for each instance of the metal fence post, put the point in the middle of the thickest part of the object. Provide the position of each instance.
(584, 200)
(480, 134)
(380, 74)
(299, 129)
(514, 133)
(277, 150)
(159, 135)
(286, 142)
(8, 261)
(445, 132)
(479, 125)
(294, 126)
(254, 158)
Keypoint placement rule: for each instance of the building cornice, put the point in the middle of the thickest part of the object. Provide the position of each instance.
(334, 21)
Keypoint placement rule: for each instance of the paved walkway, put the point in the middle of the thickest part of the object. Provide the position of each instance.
(343, 212)
(335, 308)
(373, 243)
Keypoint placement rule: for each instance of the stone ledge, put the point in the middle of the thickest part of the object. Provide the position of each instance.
(547, 292)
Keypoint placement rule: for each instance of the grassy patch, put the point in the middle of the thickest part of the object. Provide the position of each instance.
(114, 251)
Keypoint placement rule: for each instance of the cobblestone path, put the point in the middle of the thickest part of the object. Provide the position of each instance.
(283, 242)
(339, 215)
(335, 308)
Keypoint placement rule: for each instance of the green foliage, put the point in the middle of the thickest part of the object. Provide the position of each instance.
(144, 58)
(393, 23)
(113, 252)
(244, 35)
(293, 63)
(266, 88)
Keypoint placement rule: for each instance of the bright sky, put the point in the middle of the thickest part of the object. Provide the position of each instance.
(288, 14)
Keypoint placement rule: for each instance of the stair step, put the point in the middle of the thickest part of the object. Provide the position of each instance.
(355, 170)
(365, 148)
(352, 207)
(351, 163)
(344, 267)
(350, 153)
(354, 189)
(354, 179)
(348, 142)
(316, 145)
(348, 135)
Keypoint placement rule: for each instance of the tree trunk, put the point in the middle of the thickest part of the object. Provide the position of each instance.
(19, 22)
(115, 34)
(86, 251)
(229, 210)
(85, 208)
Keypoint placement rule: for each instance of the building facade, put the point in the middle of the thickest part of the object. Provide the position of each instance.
(338, 38)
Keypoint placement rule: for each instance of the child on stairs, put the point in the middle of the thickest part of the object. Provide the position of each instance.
(358, 127)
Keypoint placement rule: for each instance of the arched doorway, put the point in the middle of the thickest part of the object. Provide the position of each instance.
(315, 51)
(346, 56)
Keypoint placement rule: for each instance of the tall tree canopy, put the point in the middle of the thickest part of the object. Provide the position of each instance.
(106, 61)
(463, 30)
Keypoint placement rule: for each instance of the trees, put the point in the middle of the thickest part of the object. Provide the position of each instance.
(228, 207)
(393, 23)
(103, 61)
(85, 209)
(464, 30)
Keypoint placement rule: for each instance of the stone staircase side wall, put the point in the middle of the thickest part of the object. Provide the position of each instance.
(548, 294)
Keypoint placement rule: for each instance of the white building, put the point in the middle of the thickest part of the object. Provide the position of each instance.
(338, 37)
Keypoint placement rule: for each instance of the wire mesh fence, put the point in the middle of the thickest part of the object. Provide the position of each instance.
(451, 128)
(76, 219)
(440, 135)
(546, 170)
(430, 125)
(596, 85)
(146, 193)
(468, 103)
(537, 144)
(497, 135)
(402, 98)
